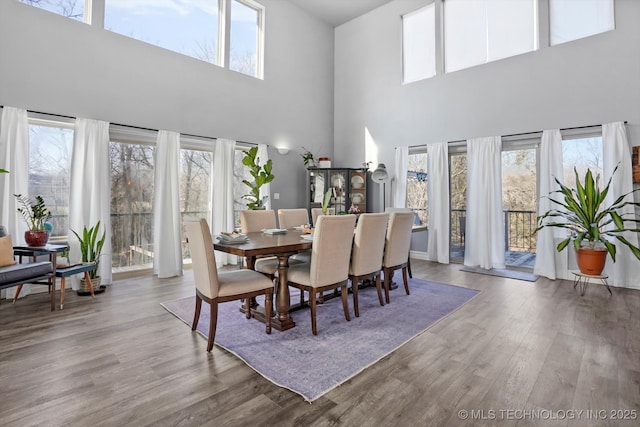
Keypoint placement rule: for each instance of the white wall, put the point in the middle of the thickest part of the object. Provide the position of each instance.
(53, 64)
(590, 81)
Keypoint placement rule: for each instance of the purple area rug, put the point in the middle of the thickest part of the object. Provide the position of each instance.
(313, 365)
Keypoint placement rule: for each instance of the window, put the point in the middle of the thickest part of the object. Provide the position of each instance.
(195, 186)
(227, 33)
(417, 184)
(74, 9)
(419, 44)
(188, 27)
(50, 147)
(582, 153)
(245, 45)
(487, 30)
(575, 19)
(132, 186)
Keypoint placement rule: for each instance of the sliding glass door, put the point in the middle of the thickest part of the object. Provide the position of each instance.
(458, 195)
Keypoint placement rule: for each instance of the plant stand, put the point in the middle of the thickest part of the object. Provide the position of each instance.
(582, 279)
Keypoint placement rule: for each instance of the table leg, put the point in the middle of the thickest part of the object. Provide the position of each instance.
(283, 303)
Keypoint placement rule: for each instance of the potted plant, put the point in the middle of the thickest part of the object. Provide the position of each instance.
(261, 175)
(91, 248)
(593, 227)
(308, 158)
(3, 170)
(35, 213)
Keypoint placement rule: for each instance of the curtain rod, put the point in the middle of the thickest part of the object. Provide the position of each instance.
(135, 127)
(516, 134)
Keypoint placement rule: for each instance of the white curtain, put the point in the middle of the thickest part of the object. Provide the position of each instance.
(222, 200)
(14, 157)
(617, 152)
(438, 193)
(90, 189)
(484, 245)
(167, 232)
(265, 190)
(401, 167)
(550, 263)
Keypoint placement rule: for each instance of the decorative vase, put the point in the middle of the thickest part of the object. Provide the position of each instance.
(36, 238)
(591, 261)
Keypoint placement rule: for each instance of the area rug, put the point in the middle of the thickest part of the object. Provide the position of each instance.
(501, 272)
(313, 365)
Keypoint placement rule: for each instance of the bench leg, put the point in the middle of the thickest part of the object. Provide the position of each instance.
(88, 280)
(15, 297)
(62, 283)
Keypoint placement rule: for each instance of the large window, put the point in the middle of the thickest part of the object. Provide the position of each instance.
(417, 184)
(575, 19)
(228, 33)
(50, 168)
(74, 9)
(195, 186)
(480, 31)
(582, 153)
(187, 27)
(419, 44)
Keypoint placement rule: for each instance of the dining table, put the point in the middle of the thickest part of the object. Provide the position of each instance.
(282, 246)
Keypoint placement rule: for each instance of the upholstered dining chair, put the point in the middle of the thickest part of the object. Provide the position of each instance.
(329, 267)
(289, 218)
(315, 213)
(390, 210)
(227, 286)
(257, 220)
(396, 248)
(367, 252)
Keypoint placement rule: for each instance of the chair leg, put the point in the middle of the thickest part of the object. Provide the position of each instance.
(379, 289)
(312, 302)
(404, 278)
(387, 279)
(196, 316)
(409, 265)
(354, 289)
(213, 323)
(267, 310)
(345, 300)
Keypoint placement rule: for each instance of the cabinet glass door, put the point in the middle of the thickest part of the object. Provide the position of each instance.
(338, 182)
(317, 187)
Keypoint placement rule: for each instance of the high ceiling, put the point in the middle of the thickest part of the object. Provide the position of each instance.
(337, 12)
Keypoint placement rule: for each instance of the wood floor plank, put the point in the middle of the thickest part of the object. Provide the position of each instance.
(122, 359)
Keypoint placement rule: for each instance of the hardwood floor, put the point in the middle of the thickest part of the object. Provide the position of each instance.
(518, 346)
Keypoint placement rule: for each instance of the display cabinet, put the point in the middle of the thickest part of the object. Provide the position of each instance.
(348, 187)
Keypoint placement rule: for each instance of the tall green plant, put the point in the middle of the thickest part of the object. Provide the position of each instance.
(261, 175)
(3, 170)
(91, 246)
(582, 212)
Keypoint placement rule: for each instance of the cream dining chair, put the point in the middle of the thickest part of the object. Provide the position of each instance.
(257, 220)
(289, 218)
(367, 252)
(227, 286)
(395, 210)
(329, 267)
(396, 249)
(315, 213)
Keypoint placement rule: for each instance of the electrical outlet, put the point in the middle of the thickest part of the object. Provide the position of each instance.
(276, 196)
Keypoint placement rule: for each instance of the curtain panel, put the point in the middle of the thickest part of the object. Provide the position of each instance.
(90, 190)
(549, 263)
(14, 157)
(617, 152)
(438, 202)
(401, 167)
(222, 180)
(484, 246)
(167, 232)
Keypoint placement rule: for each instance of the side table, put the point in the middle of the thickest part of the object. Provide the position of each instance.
(34, 252)
(583, 280)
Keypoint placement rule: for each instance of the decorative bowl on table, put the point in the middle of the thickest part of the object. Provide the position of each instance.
(307, 229)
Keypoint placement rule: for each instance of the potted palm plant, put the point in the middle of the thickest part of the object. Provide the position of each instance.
(35, 213)
(261, 175)
(593, 227)
(91, 249)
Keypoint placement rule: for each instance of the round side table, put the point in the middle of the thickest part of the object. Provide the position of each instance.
(583, 280)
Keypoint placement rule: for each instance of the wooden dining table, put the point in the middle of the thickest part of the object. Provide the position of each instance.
(281, 246)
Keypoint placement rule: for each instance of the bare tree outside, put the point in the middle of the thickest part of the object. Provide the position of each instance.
(73, 9)
(417, 185)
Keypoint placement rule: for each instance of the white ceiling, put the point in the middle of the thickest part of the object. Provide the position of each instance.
(337, 12)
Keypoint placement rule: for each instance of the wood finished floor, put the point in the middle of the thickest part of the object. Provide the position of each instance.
(124, 360)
